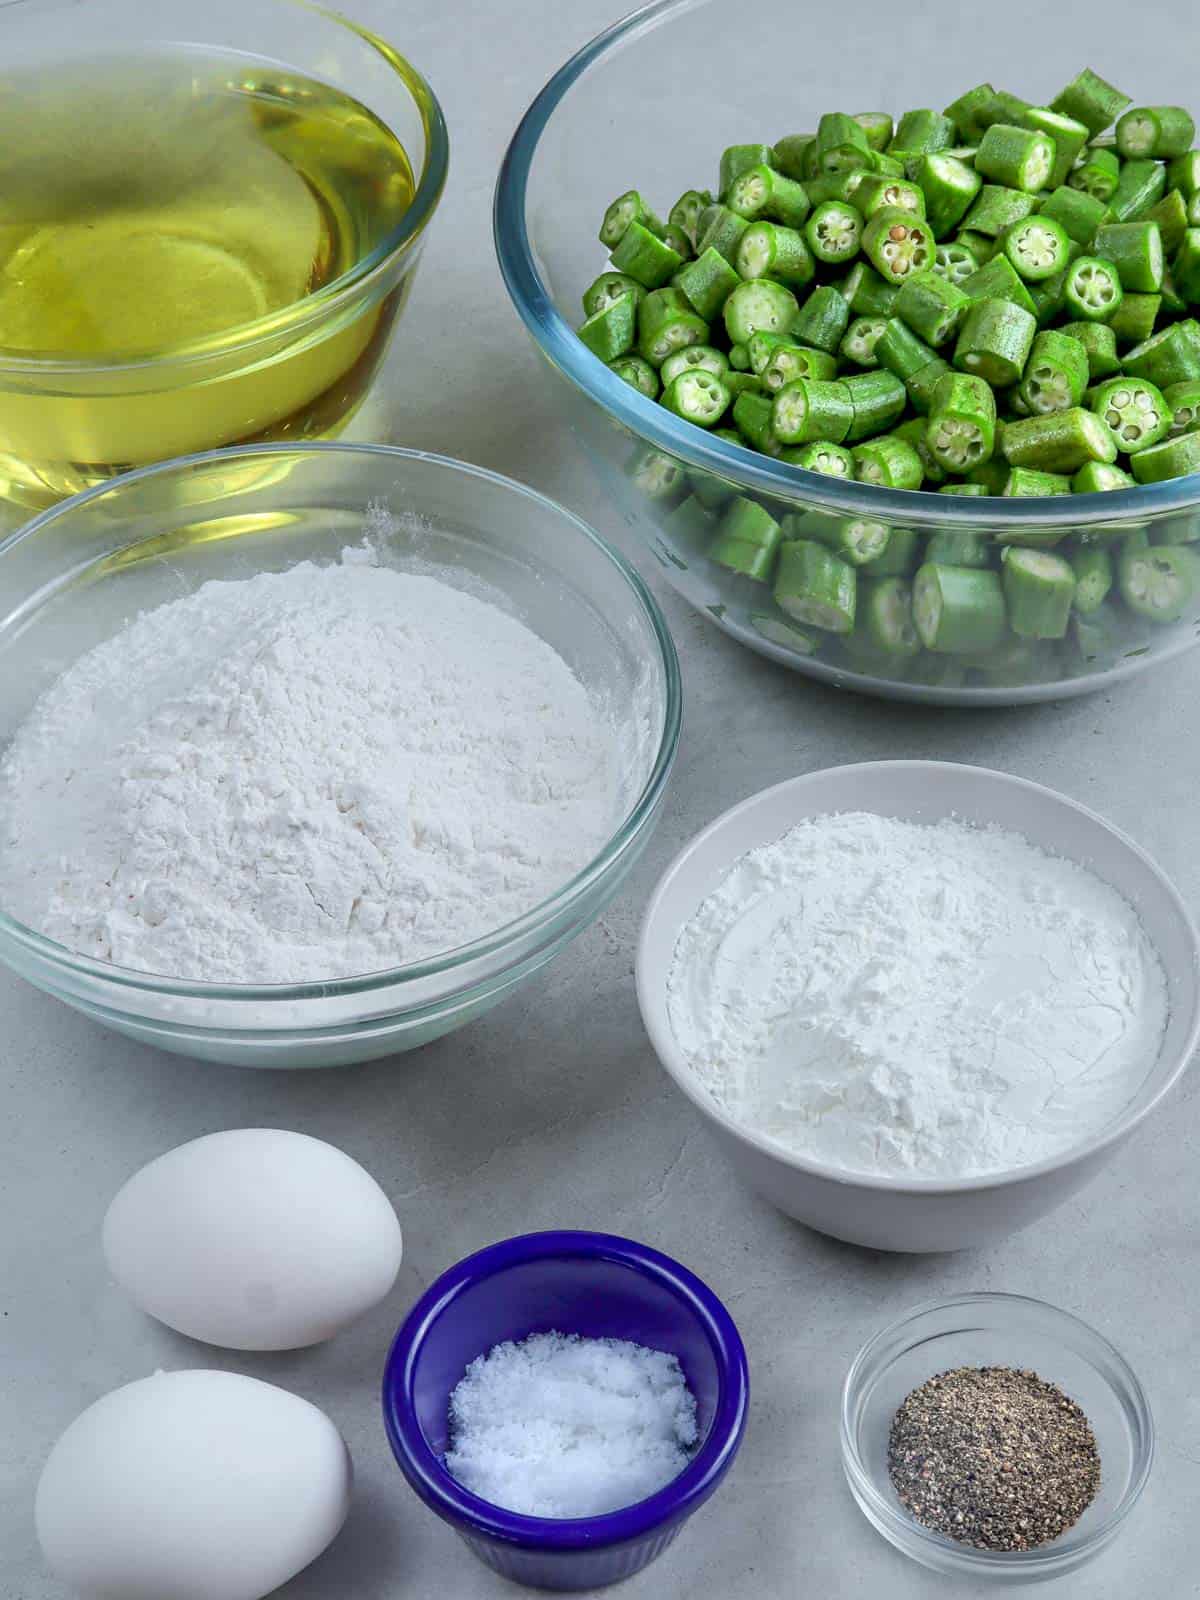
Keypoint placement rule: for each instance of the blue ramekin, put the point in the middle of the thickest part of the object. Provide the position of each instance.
(591, 1284)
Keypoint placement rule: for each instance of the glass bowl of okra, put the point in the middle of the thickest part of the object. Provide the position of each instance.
(908, 400)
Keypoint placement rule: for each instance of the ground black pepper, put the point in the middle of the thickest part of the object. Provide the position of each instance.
(993, 1457)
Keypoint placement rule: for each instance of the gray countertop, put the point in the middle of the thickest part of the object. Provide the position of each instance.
(552, 1112)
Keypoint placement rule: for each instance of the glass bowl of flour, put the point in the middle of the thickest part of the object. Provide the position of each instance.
(918, 1003)
(310, 754)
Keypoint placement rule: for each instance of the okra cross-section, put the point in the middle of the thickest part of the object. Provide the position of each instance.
(1134, 410)
(1056, 373)
(808, 410)
(898, 244)
(697, 396)
(961, 431)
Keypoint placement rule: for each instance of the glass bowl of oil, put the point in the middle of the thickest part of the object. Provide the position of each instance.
(209, 221)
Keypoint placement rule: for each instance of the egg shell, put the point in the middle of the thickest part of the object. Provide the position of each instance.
(254, 1239)
(192, 1486)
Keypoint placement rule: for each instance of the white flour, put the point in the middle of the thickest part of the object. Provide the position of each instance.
(924, 1000)
(301, 776)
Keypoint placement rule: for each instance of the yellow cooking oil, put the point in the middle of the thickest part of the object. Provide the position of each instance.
(163, 218)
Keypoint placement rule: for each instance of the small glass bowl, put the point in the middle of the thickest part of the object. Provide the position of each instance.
(996, 1330)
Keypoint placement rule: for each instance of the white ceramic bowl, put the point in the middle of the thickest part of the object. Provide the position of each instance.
(887, 1213)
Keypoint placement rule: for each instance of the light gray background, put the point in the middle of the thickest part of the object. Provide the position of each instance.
(552, 1112)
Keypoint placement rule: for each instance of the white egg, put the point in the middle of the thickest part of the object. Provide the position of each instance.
(192, 1486)
(254, 1239)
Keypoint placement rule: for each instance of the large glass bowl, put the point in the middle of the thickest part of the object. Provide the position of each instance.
(652, 102)
(75, 575)
(298, 373)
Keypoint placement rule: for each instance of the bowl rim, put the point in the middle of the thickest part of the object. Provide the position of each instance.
(559, 342)
(988, 1307)
(677, 1500)
(638, 812)
(672, 1060)
(430, 182)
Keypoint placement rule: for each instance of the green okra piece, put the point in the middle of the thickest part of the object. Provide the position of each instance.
(965, 112)
(694, 355)
(867, 293)
(638, 374)
(1173, 303)
(933, 307)
(1003, 107)
(787, 362)
(1092, 289)
(1183, 401)
(1093, 570)
(610, 333)
(1061, 441)
(877, 125)
(842, 144)
(738, 158)
(685, 213)
(822, 320)
(610, 286)
(642, 255)
(960, 547)
(995, 342)
(1100, 477)
(707, 282)
(1139, 185)
(859, 341)
(1100, 344)
(742, 383)
(922, 384)
(1037, 247)
(834, 186)
(1090, 100)
(666, 323)
(899, 559)
(913, 430)
(789, 155)
(809, 409)
(860, 540)
(996, 208)
(656, 476)
(678, 241)
(752, 418)
(1135, 249)
(778, 632)
(739, 358)
(1023, 483)
(877, 190)
(958, 610)
(956, 261)
(834, 231)
(625, 210)
(1078, 214)
(1157, 133)
(1134, 319)
(923, 132)
(1096, 174)
(769, 250)
(992, 475)
(1169, 356)
(697, 396)
(1097, 637)
(1172, 458)
(885, 615)
(889, 462)
(1056, 373)
(721, 230)
(759, 306)
(949, 188)
(688, 526)
(1048, 298)
(1069, 135)
(898, 244)
(1039, 586)
(1170, 216)
(1184, 173)
(1161, 584)
(877, 400)
(714, 493)
(830, 460)
(1134, 410)
(999, 280)
(961, 431)
(747, 540)
(815, 587)
(1016, 158)
(983, 246)
(902, 351)
(760, 194)
(1187, 265)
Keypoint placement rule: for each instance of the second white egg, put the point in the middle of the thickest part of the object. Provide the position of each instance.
(254, 1239)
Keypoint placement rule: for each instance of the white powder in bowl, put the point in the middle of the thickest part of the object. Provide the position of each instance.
(303, 776)
(922, 1000)
(560, 1426)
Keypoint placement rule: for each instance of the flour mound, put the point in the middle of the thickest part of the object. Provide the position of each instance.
(302, 776)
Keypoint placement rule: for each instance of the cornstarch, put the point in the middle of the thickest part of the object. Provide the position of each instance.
(930, 1000)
